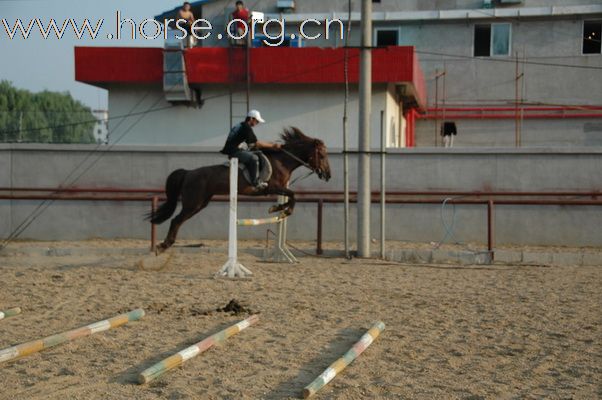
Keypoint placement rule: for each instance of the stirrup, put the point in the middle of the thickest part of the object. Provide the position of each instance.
(260, 185)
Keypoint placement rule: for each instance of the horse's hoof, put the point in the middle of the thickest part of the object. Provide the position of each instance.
(161, 248)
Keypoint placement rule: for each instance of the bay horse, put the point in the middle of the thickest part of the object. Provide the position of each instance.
(196, 187)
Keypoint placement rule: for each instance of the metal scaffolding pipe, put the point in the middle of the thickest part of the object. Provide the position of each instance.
(346, 213)
(490, 229)
(524, 108)
(53, 194)
(505, 115)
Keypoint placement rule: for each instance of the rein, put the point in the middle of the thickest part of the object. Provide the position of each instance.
(306, 165)
(294, 157)
(299, 178)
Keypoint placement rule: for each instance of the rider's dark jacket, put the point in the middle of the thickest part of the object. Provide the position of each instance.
(239, 133)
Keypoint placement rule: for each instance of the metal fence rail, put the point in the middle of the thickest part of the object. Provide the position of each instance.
(489, 199)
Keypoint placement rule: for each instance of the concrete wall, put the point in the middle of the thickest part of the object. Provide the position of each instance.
(316, 109)
(408, 169)
(534, 133)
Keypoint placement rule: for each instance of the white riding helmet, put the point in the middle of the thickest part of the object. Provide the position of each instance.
(255, 114)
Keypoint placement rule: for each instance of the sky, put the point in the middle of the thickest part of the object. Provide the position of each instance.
(48, 64)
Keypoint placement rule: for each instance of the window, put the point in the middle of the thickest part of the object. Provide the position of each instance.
(500, 39)
(592, 37)
(482, 40)
(386, 37)
(492, 40)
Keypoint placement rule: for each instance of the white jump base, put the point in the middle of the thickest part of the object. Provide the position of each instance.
(232, 268)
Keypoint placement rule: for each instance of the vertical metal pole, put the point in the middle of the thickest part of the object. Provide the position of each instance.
(383, 147)
(154, 202)
(319, 250)
(490, 228)
(248, 70)
(522, 96)
(346, 190)
(365, 107)
(444, 94)
(436, 105)
(346, 139)
(231, 88)
(516, 114)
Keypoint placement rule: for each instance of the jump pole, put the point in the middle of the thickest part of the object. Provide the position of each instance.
(340, 364)
(232, 268)
(179, 358)
(25, 349)
(258, 221)
(10, 312)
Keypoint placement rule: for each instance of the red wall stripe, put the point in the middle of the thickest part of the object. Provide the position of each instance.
(118, 64)
(268, 65)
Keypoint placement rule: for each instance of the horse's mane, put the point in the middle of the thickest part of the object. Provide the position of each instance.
(292, 136)
(294, 140)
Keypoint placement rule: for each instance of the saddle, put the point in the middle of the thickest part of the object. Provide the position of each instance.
(265, 168)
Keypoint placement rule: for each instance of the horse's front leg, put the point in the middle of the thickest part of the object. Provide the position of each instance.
(286, 208)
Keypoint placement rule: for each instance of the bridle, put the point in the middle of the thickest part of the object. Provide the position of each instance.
(300, 161)
(312, 170)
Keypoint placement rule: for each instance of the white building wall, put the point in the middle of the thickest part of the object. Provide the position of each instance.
(315, 109)
(395, 137)
(447, 44)
(216, 11)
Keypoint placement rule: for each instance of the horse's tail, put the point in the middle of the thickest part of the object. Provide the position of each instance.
(173, 187)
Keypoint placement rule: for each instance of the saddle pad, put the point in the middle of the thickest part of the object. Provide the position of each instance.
(265, 168)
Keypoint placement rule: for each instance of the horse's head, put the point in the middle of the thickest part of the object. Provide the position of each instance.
(319, 160)
(310, 150)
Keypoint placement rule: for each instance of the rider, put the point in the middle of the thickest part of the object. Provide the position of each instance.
(243, 133)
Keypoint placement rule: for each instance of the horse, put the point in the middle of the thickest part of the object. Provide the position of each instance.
(197, 187)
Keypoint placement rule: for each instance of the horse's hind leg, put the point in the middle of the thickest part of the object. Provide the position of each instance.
(176, 223)
(174, 226)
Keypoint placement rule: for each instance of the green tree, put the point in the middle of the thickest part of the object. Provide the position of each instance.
(45, 117)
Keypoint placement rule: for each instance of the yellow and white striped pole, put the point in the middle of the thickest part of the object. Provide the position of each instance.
(182, 356)
(340, 364)
(10, 312)
(25, 349)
